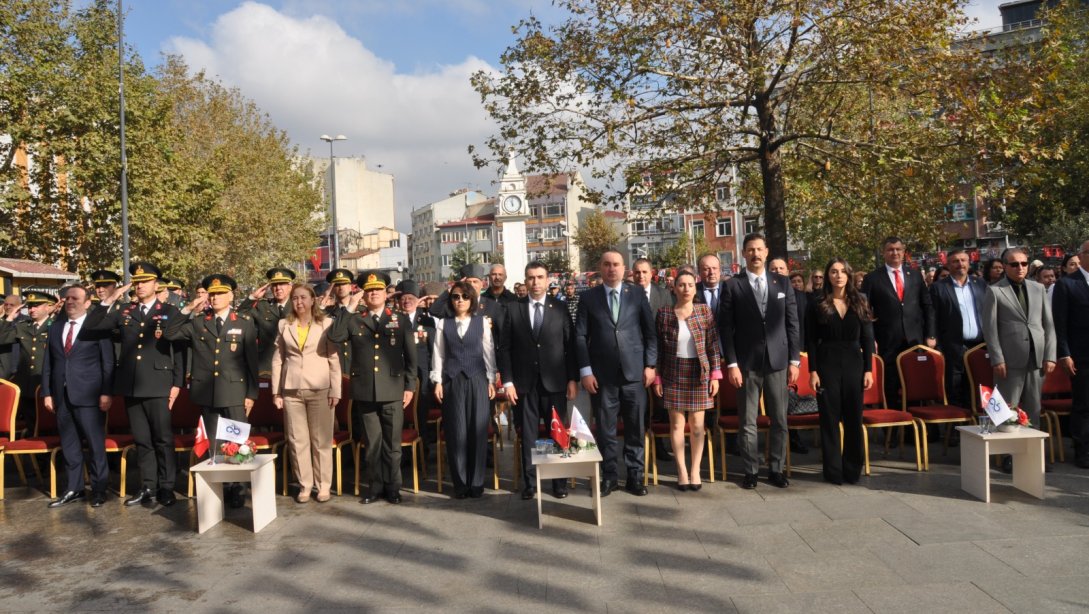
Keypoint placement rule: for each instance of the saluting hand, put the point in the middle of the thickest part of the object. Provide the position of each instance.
(259, 293)
(327, 298)
(353, 302)
(195, 305)
(117, 293)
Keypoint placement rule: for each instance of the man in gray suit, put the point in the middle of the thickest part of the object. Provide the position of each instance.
(643, 276)
(1020, 334)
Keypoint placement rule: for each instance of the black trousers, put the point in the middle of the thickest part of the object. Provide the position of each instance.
(840, 400)
(382, 426)
(956, 377)
(76, 424)
(149, 418)
(424, 403)
(1079, 412)
(611, 403)
(533, 406)
(465, 417)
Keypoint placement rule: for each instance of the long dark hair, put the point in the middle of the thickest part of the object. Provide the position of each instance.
(987, 270)
(856, 301)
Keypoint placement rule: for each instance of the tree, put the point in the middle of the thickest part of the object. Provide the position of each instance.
(595, 236)
(463, 255)
(557, 262)
(669, 98)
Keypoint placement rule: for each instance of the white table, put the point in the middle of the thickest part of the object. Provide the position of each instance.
(586, 463)
(259, 472)
(1026, 446)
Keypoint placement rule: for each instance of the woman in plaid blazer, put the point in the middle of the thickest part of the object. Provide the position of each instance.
(689, 367)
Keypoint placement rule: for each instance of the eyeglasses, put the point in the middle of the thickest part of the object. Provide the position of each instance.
(1018, 264)
(460, 297)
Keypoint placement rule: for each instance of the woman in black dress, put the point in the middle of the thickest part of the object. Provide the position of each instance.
(839, 340)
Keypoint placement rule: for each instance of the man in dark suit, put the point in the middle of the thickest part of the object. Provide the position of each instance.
(383, 377)
(801, 301)
(77, 385)
(537, 361)
(1070, 307)
(223, 345)
(711, 285)
(957, 300)
(643, 277)
(759, 332)
(423, 327)
(617, 354)
(267, 313)
(150, 374)
(901, 307)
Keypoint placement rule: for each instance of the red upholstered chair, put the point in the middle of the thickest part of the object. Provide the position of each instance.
(877, 414)
(45, 440)
(977, 365)
(184, 417)
(410, 438)
(804, 422)
(119, 437)
(266, 422)
(1057, 391)
(660, 430)
(9, 403)
(922, 393)
(342, 430)
(728, 420)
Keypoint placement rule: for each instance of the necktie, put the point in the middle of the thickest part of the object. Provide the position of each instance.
(219, 327)
(713, 304)
(376, 321)
(143, 310)
(899, 285)
(614, 305)
(71, 336)
(1021, 298)
(537, 316)
(761, 295)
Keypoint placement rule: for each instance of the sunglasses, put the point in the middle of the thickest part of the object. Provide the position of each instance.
(460, 297)
(1017, 264)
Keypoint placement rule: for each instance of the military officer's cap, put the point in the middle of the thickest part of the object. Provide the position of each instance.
(477, 271)
(144, 271)
(339, 276)
(280, 275)
(37, 297)
(409, 286)
(173, 284)
(103, 277)
(218, 284)
(321, 287)
(372, 280)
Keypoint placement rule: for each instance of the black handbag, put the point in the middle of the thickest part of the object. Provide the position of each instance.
(798, 405)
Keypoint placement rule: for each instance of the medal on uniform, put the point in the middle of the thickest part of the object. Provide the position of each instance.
(158, 330)
(234, 346)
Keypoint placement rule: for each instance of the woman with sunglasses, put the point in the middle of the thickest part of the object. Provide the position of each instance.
(462, 369)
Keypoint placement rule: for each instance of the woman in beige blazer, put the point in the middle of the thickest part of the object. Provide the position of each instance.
(306, 384)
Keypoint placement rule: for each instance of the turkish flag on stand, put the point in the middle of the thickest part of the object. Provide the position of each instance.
(559, 433)
(200, 446)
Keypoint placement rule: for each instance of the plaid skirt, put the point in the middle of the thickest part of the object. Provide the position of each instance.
(685, 389)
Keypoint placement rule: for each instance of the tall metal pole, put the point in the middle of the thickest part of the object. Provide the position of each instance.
(124, 158)
(333, 204)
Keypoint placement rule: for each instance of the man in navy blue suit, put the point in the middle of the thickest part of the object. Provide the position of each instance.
(77, 384)
(617, 352)
(1070, 309)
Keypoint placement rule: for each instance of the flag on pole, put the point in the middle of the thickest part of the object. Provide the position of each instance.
(559, 434)
(995, 406)
(200, 446)
(579, 428)
(232, 430)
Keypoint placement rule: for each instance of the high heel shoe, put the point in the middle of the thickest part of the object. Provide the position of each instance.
(695, 487)
(683, 487)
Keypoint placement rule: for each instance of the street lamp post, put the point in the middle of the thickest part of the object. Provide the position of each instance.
(335, 243)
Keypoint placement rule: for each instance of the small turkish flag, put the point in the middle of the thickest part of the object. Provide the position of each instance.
(200, 446)
(559, 433)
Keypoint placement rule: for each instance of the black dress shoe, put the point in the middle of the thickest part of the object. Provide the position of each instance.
(98, 499)
(560, 492)
(695, 487)
(1007, 464)
(67, 498)
(1082, 462)
(394, 498)
(529, 492)
(778, 480)
(608, 486)
(476, 492)
(461, 493)
(682, 487)
(749, 481)
(368, 499)
(144, 496)
(166, 497)
(636, 487)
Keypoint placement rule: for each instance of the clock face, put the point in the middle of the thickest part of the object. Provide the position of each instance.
(512, 204)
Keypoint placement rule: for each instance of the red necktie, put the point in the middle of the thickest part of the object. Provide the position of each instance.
(68, 339)
(899, 285)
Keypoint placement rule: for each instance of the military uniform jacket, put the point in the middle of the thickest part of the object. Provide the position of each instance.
(344, 348)
(266, 316)
(383, 364)
(31, 340)
(224, 372)
(9, 347)
(148, 364)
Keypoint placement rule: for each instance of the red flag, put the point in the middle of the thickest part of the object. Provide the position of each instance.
(559, 433)
(200, 446)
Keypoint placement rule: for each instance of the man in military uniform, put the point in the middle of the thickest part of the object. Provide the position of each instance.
(174, 292)
(340, 293)
(31, 335)
(150, 373)
(383, 374)
(9, 351)
(105, 283)
(267, 313)
(224, 350)
(423, 327)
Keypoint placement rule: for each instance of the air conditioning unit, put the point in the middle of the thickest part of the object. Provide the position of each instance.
(969, 244)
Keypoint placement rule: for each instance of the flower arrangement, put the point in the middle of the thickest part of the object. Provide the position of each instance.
(1016, 422)
(236, 453)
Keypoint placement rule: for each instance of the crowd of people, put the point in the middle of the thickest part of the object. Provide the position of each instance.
(631, 339)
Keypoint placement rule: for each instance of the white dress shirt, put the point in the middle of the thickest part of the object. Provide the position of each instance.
(439, 353)
(588, 370)
(78, 324)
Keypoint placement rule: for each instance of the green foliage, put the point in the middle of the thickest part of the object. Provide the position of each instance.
(462, 256)
(595, 236)
(557, 262)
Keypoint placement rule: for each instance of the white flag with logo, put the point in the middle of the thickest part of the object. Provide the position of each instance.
(995, 406)
(579, 428)
(231, 430)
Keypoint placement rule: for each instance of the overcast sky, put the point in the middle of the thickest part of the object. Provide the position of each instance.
(391, 75)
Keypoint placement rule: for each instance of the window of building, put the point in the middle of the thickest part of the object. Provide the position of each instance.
(638, 227)
(484, 234)
(550, 233)
(722, 193)
(697, 228)
(499, 237)
(554, 209)
(752, 224)
(485, 257)
(446, 260)
(724, 227)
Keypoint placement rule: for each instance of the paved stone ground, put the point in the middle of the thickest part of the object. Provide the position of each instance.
(900, 541)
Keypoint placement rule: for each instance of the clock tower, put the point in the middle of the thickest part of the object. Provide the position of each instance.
(512, 211)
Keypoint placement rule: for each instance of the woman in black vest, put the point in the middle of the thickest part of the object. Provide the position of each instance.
(463, 369)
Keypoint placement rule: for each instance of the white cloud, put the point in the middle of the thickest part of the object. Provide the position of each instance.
(312, 78)
(985, 12)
